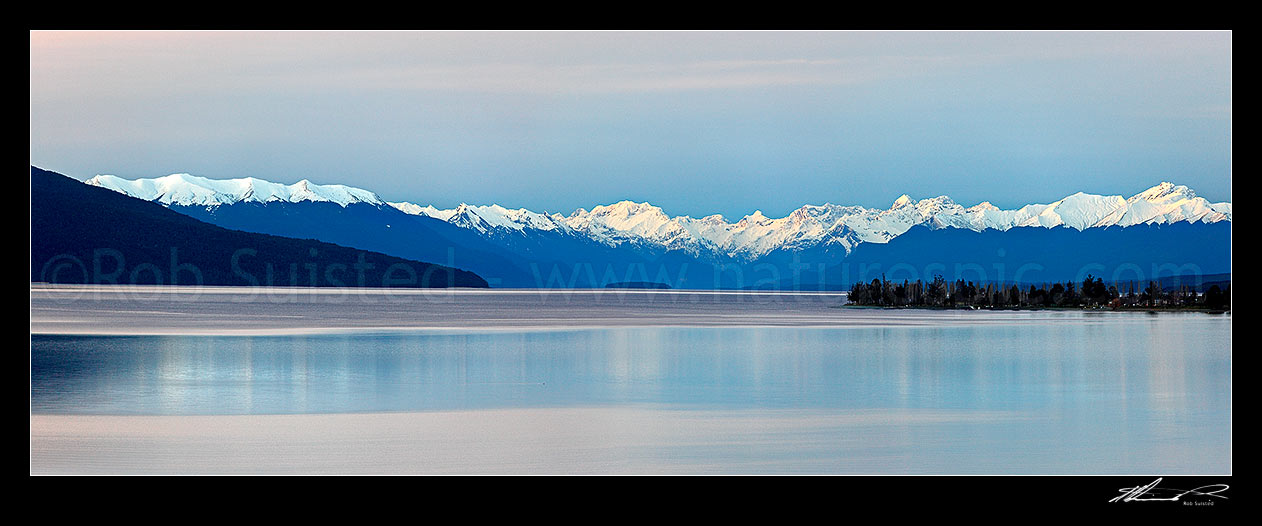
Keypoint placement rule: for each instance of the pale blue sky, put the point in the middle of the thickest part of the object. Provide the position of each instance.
(694, 122)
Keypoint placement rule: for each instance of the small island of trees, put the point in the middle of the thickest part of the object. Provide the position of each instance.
(1091, 293)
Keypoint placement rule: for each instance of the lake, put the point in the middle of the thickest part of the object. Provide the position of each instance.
(160, 380)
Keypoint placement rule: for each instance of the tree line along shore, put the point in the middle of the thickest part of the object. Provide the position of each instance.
(1091, 293)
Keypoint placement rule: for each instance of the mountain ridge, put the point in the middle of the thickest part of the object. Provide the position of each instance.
(748, 239)
(84, 234)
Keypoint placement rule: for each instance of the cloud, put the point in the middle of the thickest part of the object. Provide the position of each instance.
(637, 77)
(130, 64)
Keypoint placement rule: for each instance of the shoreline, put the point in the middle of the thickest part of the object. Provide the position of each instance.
(249, 312)
(404, 291)
(1152, 310)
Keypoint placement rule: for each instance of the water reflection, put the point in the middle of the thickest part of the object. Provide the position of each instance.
(1154, 369)
(1029, 398)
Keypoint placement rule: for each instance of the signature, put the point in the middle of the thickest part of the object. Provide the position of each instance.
(1151, 492)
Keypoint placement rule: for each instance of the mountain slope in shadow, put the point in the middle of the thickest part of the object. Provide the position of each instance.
(85, 234)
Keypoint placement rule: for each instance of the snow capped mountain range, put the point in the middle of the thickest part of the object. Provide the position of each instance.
(486, 219)
(829, 224)
(190, 190)
(642, 224)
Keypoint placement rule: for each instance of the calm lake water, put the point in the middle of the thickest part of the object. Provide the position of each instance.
(1030, 392)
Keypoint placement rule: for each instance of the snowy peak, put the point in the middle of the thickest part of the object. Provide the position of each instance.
(417, 210)
(630, 213)
(1165, 192)
(641, 219)
(191, 190)
(1170, 203)
(1082, 211)
(486, 219)
(754, 219)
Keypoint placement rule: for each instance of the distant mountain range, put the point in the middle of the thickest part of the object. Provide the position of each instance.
(83, 234)
(1164, 229)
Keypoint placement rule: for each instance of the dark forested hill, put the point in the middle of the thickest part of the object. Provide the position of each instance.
(85, 234)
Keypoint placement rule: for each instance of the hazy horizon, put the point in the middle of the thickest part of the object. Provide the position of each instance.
(697, 123)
